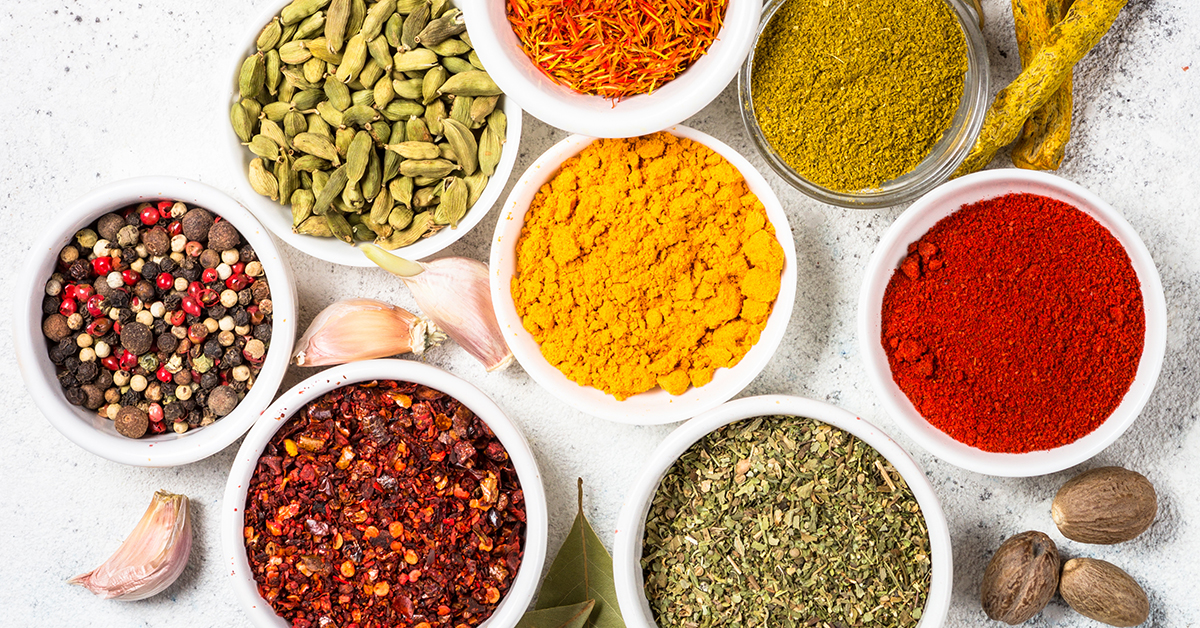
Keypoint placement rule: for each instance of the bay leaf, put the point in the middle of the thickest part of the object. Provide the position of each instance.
(573, 616)
(583, 571)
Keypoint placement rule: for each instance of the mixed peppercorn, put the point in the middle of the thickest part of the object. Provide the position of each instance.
(158, 317)
(384, 504)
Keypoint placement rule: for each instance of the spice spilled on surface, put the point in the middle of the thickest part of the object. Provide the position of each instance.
(1015, 324)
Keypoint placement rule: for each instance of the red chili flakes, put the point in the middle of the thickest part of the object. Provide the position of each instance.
(384, 504)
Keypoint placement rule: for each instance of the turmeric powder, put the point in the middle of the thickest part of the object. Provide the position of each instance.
(646, 262)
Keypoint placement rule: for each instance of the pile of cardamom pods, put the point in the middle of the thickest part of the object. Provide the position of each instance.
(374, 121)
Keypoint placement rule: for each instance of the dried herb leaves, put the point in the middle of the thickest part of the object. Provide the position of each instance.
(785, 521)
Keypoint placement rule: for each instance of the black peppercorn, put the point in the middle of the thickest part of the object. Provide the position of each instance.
(232, 358)
(67, 379)
(240, 316)
(104, 380)
(127, 316)
(263, 332)
(194, 418)
(168, 265)
(191, 271)
(119, 298)
(130, 398)
(87, 371)
(172, 412)
(213, 349)
(245, 297)
(72, 363)
(216, 312)
(49, 304)
(134, 219)
(172, 301)
(209, 380)
(160, 327)
(79, 270)
(167, 343)
(57, 355)
(247, 255)
(75, 396)
(168, 388)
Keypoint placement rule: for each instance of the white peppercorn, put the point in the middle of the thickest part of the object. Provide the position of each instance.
(177, 243)
(120, 378)
(75, 321)
(241, 372)
(145, 317)
(84, 340)
(230, 256)
(87, 354)
(102, 349)
(224, 271)
(138, 382)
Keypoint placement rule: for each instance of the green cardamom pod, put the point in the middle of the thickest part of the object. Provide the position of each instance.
(409, 88)
(377, 16)
(443, 28)
(449, 47)
(272, 130)
(337, 93)
(415, 150)
(438, 7)
(289, 32)
(357, 156)
(481, 107)
(311, 25)
(318, 126)
(358, 115)
(306, 100)
(354, 59)
(426, 197)
(295, 52)
(294, 124)
(498, 121)
(262, 181)
(273, 73)
(447, 153)
(332, 189)
(330, 114)
(310, 163)
(342, 138)
(423, 182)
(371, 73)
(289, 180)
(263, 147)
(391, 30)
(381, 230)
(435, 168)
(275, 111)
(453, 204)
(391, 166)
(317, 145)
(254, 73)
(417, 60)
(243, 124)
(300, 9)
(339, 227)
(401, 189)
(253, 107)
(473, 59)
(340, 206)
(268, 38)
(434, 113)
(353, 198)
(475, 186)
(363, 97)
(458, 65)
(319, 48)
(490, 145)
(363, 232)
(314, 226)
(400, 217)
(473, 83)
(383, 92)
(302, 204)
(462, 140)
(358, 14)
(416, 130)
(380, 131)
(460, 109)
(413, 24)
(381, 207)
(404, 7)
(319, 179)
(313, 71)
(381, 52)
(294, 76)
(287, 89)
(420, 225)
(336, 19)
(372, 181)
(434, 78)
(401, 109)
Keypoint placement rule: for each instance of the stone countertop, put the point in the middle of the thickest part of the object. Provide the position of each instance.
(102, 90)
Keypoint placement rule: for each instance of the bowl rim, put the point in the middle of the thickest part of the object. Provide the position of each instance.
(277, 217)
(627, 545)
(936, 168)
(520, 594)
(922, 215)
(655, 406)
(596, 116)
(79, 425)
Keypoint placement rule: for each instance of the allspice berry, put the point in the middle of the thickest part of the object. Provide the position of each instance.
(222, 400)
(1104, 592)
(1021, 578)
(223, 236)
(196, 223)
(136, 337)
(55, 327)
(1105, 506)
(109, 225)
(157, 241)
(132, 422)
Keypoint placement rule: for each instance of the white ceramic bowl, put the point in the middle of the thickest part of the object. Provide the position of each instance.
(278, 218)
(84, 427)
(511, 607)
(595, 116)
(631, 522)
(913, 224)
(657, 405)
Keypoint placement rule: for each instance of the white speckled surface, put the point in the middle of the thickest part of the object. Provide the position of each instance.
(100, 90)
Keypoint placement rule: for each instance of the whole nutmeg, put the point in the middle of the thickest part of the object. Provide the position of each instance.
(1104, 592)
(1021, 578)
(1104, 506)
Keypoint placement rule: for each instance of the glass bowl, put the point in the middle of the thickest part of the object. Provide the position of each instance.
(934, 170)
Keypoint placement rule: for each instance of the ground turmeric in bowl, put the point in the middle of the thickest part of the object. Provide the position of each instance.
(646, 262)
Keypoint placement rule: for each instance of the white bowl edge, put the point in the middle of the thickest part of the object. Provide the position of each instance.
(915, 222)
(655, 406)
(627, 546)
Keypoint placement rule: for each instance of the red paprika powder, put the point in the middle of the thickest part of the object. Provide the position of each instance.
(1015, 324)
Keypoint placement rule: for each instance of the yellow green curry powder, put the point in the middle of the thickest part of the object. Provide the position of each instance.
(854, 93)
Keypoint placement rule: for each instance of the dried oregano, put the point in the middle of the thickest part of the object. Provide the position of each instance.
(785, 521)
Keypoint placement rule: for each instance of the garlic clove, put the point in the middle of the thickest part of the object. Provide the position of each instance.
(363, 329)
(454, 292)
(152, 556)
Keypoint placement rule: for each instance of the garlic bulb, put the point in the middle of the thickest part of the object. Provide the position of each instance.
(453, 291)
(363, 329)
(151, 558)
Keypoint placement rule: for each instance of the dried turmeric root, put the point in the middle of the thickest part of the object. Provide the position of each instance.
(1044, 138)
